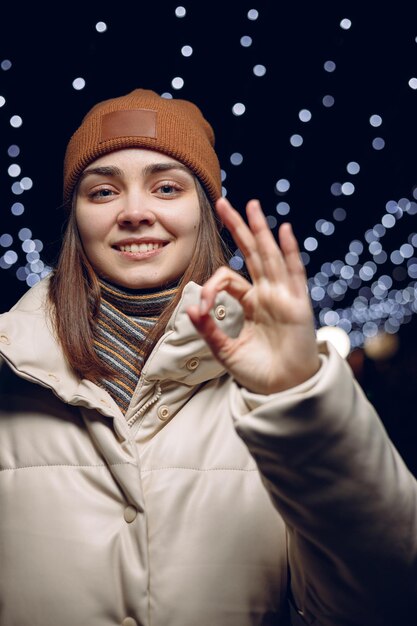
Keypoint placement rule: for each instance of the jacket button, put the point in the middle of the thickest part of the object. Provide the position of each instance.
(130, 514)
(163, 412)
(193, 363)
(129, 621)
(5, 339)
(220, 312)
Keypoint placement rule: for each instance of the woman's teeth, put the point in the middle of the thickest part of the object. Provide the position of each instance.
(140, 247)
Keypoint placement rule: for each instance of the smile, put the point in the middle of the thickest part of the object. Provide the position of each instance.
(140, 247)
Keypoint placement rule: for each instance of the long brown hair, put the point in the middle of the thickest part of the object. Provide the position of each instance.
(74, 291)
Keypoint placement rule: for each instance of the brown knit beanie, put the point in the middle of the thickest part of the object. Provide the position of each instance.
(143, 119)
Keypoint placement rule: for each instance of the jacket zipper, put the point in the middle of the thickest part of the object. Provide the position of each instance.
(146, 406)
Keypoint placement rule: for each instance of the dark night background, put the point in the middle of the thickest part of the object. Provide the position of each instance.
(375, 58)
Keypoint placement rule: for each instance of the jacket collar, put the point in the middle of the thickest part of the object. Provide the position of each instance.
(28, 345)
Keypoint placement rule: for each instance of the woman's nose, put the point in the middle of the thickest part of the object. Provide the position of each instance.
(135, 210)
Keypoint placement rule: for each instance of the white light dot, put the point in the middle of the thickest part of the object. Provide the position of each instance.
(310, 244)
(2, 101)
(14, 170)
(236, 158)
(347, 272)
(412, 270)
(17, 189)
(356, 246)
(13, 151)
(336, 189)
(180, 12)
(253, 14)
(246, 41)
(339, 214)
(375, 247)
(32, 279)
(177, 82)
(388, 220)
(17, 208)
(6, 240)
(28, 245)
(26, 183)
(366, 273)
(21, 273)
(379, 230)
(351, 258)
(317, 293)
(166, 95)
(186, 51)
(370, 329)
(24, 233)
(78, 83)
(236, 263)
(101, 27)
(328, 101)
(353, 167)
(345, 24)
(378, 143)
(10, 257)
(304, 115)
(348, 189)
(328, 228)
(331, 318)
(413, 83)
(375, 120)
(272, 221)
(38, 244)
(238, 108)
(282, 185)
(330, 66)
(296, 140)
(406, 250)
(6, 65)
(16, 121)
(259, 70)
(283, 208)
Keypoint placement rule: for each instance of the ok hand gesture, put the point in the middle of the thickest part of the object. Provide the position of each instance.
(276, 348)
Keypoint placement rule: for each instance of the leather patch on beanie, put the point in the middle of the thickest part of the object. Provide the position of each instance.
(131, 123)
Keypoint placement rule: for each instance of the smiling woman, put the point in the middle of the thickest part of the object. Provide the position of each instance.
(145, 234)
(176, 445)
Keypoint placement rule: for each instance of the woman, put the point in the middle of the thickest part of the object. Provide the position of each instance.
(176, 447)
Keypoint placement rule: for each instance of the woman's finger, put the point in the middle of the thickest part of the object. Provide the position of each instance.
(291, 252)
(224, 279)
(262, 254)
(269, 252)
(215, 338)
(242, 237)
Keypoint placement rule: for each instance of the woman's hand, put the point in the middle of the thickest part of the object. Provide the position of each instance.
(276, 348)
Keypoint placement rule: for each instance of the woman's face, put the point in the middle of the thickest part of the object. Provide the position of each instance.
(138, 214)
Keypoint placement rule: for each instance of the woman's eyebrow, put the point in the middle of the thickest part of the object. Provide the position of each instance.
(155, 168)
(104, 170)
(152, 168)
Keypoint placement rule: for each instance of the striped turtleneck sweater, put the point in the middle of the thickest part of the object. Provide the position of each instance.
(124, 321)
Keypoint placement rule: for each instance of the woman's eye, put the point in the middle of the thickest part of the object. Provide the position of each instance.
(168, 189)
(100, 193)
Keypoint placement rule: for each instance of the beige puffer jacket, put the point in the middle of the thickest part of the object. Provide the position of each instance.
(174, 514)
